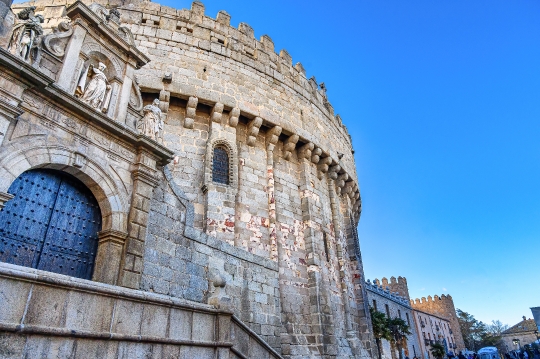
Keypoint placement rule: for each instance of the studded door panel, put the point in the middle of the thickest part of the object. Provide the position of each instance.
(50, 224)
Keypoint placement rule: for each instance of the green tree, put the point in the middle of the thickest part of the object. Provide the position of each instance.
(437, 350)
(399, 329)
(381, 330)
(472, 329)
(478, 335)
(492, 337)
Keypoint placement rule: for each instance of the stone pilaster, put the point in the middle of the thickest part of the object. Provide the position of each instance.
(220, 198)
(109, 256)
(144, 182)
(362, 319)
(271, 139)
(322, 327)
(71, 58)
(125, 93)
(352, 334)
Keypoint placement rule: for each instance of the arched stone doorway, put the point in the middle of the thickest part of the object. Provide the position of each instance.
(51, 224)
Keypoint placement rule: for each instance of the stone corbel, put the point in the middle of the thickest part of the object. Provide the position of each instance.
(253, 130)
(289, 146)
(4, 197)
(333, 171)
(316, 155)
(323, 166)
(356, 207)
(348, 188)
(352, 194)
(219, 298)
(164, 100)
(272, 137)
(217, 112)
(340, 182)
(190, 112)
(305, 151)
(233, 119)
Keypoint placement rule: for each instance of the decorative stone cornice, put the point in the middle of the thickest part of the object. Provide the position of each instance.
(9, 111)
(78, 9)
(46, 86)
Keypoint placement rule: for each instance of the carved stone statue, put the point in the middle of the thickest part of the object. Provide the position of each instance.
(151, 124)
(98, 91)
(26, 37)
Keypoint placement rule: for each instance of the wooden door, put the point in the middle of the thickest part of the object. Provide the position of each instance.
(50, 224)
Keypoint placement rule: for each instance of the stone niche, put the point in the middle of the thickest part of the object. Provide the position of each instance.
(71, 104)
(78, 44)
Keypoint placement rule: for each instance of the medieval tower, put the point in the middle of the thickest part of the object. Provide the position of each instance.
(442, 306)
(171, 186)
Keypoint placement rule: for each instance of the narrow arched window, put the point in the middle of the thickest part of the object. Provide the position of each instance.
(220, 165)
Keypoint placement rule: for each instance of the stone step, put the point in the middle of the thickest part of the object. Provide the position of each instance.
(47, 315)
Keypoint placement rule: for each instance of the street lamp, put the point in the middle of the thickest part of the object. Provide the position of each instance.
(516, 342)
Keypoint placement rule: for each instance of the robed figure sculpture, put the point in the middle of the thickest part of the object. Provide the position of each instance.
(26, 36)
(151, 124)
(98, 91)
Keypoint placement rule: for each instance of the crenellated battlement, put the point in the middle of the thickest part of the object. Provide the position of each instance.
(222, 175)
(443, 306)
(444, 298)
(192, 26)
(194, 56)
(385, 291)
(398, 285)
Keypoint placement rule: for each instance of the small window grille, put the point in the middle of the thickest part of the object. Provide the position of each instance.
(220, 165)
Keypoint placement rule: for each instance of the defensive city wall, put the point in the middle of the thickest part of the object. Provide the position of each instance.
(442, 306)
(242, 210)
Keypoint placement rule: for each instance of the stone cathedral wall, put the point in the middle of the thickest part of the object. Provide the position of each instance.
(281, 230)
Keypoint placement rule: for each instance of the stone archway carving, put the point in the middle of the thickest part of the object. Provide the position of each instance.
(112, 198)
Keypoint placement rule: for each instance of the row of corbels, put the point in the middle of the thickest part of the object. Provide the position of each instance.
(345, 185)
(198, 14)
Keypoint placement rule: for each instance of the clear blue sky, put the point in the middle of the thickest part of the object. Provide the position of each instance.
(442, 99)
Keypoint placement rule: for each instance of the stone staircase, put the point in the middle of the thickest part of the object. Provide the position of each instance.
(47, 315)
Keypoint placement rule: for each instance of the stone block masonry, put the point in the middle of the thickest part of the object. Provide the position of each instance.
(245, 196)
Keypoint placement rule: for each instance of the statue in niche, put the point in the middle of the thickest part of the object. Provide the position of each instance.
(151, 124)
(26, 37)
(98, 91)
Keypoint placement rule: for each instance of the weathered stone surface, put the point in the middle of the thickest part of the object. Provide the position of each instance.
(279, 226)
